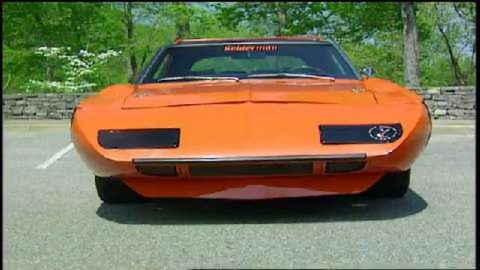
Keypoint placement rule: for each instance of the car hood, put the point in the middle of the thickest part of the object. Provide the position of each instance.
(252, 90)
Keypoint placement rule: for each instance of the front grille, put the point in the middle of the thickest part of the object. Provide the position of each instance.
(344, 167)
(290, 168)
(248, 166)
(165, 170)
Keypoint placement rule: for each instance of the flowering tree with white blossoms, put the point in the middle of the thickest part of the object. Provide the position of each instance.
(79, 70)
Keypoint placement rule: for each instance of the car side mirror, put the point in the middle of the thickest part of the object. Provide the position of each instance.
(367, 71)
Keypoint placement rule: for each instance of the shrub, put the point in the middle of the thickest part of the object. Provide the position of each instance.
(73, 72)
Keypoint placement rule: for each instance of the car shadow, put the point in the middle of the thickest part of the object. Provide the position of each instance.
(292, 210)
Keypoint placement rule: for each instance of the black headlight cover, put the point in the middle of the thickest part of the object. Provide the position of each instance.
(139, 138)
(360, 134)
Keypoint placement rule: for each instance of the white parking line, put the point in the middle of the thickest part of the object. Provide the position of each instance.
(55, 157)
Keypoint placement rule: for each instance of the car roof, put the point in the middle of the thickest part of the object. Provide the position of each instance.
(237, 40)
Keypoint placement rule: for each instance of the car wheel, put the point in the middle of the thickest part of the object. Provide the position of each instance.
(113, 190)
(391, 185)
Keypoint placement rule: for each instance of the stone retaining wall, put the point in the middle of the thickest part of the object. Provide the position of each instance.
(455, 102)
(41, 106)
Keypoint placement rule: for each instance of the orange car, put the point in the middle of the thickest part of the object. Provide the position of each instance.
(250, 119)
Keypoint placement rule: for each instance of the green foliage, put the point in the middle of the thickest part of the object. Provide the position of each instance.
(384, 53)
(277, 18)
(370, 33)
(356, 22)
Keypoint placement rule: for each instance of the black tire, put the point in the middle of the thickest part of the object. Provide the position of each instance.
(391, 185)
(112, 190)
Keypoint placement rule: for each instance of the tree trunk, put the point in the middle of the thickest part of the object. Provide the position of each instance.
(457, 71)
(183, 28)
(410, 45)
(461, 77)
(182, 24)
(6, 84)
(133, 58)
(49, 73)
(282, 19)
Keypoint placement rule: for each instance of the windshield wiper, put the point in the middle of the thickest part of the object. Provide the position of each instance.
(291, 75)
(183, 78)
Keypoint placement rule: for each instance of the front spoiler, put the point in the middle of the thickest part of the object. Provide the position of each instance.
(252, 188)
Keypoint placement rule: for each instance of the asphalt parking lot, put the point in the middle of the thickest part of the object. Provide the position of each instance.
(53, 218)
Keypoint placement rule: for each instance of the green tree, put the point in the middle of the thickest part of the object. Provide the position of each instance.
(31, 25)
(277, 18)
(360, 21)
(456, 24)
(371, 33)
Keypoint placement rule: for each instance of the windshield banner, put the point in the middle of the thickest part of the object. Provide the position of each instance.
(250, 48)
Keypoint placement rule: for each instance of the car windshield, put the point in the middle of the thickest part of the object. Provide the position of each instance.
(248, 61)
